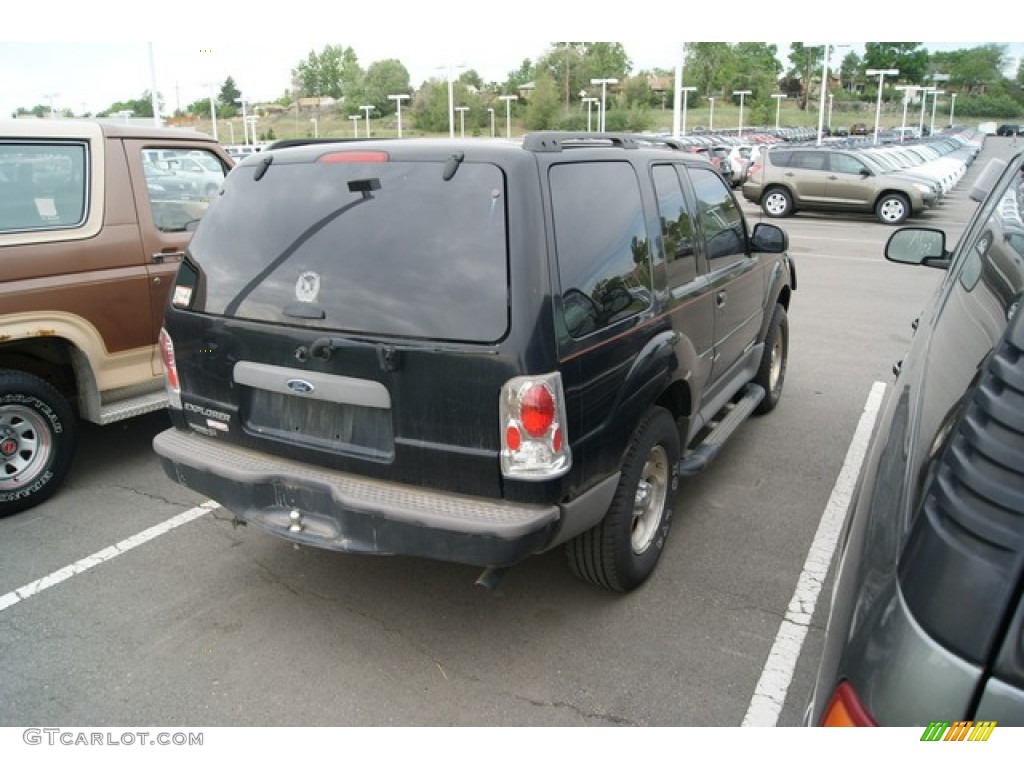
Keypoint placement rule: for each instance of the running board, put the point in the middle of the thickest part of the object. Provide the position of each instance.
(697, 460)
(133, 406)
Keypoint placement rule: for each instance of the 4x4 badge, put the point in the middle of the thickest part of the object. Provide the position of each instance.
(307, 287)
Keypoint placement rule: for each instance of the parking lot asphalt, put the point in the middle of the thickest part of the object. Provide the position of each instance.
(201, 623)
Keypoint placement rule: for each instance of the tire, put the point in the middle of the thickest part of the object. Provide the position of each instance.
(771, 374)
(37, 441)
(892, 209)
(777, 203)
(621, 552)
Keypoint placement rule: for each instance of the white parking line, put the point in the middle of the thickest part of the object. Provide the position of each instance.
(65, 573)
(770, 694)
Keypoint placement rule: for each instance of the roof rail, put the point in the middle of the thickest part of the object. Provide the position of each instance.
(556, 141)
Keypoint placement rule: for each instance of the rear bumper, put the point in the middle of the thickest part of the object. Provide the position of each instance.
(340, 511)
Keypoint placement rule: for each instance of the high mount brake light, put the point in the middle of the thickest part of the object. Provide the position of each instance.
(354, 156)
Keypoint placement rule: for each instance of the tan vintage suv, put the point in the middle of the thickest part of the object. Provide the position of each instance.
(91, 233)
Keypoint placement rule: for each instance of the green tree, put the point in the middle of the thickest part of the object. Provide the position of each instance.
(140, 107)
(332, 72)
(542, 110)
(909, 58)
(805, 64)
(705, 67)
(384, 78)
(227, 97)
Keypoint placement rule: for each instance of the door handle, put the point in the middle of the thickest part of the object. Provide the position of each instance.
(160, 258)
(720, 298)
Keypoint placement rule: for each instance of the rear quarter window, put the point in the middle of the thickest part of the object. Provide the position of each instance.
(42, 185)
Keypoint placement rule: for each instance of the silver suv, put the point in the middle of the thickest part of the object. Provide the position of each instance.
(789, 179)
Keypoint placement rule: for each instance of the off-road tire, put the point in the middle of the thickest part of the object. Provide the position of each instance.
(37, 441)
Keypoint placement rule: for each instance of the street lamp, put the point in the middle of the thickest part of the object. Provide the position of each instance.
(490, 112)
(590, 101)
(231, 128)
(935, 100)
(213, 111)
(711, 117)
(924, 101)
(355, 124)
(778, 104)
(451, 97)
(316, 128)
(245, 125)
(685, 90)
(881, 80)
(462, 120)
(604, 82)
(824, 86)
(952, 106)
(508, 114)
(908, 94)
(741, 94)
(367, 108)
(829, 122)
(398, 98)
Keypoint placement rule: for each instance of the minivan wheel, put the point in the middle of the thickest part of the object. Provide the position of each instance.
(892, 209)
(772, 372)
(777, 202)
(621, 552)
(37, 441)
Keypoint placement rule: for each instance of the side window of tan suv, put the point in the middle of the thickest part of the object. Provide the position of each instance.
(42, 185)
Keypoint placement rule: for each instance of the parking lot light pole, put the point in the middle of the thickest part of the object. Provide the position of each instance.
(881, 80)
(924, 101)
(604, 82)
(245, 126)
(935, 100)
(213, 112)
(398, 98)
(355, 124)
(685, 90)
(490, 112)
(462, 120)
(508, 114)
(778, 104)
(829, 121)
(741, 94)
(367, 108)
(316, 127)
(908, 94)
(711, 116)
(952, 106)
(590, 101)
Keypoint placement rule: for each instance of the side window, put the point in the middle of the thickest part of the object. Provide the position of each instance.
(42, 185)
(676, 226)
(601, 242)
(811, 161)
(181, 183)
(841, 163)
(721, 222)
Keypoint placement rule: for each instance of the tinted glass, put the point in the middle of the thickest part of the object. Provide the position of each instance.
(180, 183)
(720, 218)
(676, 226)
(42, 185)
(377, 247)
(603, 253)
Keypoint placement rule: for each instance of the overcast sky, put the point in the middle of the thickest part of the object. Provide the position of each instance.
(259, 48)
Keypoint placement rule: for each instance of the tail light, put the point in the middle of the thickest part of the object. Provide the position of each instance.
(533, 440)
(846, 709)
(170, 369)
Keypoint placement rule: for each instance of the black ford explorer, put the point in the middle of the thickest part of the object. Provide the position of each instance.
(474, 350)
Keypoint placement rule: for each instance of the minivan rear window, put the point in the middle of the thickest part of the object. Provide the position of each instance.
(382, 248)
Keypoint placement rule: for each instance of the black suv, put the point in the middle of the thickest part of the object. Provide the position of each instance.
(471, 351)
(927, 622)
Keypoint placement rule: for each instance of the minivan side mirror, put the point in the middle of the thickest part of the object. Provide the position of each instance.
(768, 238)
(919, 246)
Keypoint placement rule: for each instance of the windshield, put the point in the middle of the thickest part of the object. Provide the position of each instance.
(383, 248)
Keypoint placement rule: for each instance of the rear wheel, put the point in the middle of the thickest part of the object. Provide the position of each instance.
(37, 441)
(772, 372)
(621, 552)
(777, 202)
(892, 209)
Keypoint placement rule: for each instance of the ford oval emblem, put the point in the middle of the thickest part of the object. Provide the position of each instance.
(299, 386)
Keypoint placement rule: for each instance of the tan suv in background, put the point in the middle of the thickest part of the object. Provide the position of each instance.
(790, 179)
(91, 234)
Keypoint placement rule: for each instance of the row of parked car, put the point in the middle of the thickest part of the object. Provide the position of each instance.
(893, 181)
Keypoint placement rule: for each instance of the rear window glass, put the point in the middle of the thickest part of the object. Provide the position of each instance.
(388, 248)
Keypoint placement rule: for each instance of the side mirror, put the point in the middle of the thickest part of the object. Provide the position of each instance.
(768, 238)
(918, 246)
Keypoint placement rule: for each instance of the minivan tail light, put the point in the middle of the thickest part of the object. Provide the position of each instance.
(171, 382)
(845, 709)
(532, 414)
